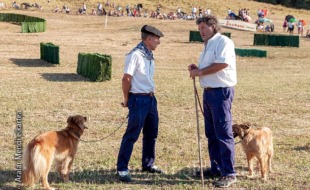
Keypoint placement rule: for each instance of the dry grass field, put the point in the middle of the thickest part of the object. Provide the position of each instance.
(272, 92)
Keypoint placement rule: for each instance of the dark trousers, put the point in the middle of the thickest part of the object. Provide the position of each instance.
(218, 129)
(143, 114)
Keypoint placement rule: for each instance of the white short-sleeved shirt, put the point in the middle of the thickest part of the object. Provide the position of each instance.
(219, 49)
(142, 72)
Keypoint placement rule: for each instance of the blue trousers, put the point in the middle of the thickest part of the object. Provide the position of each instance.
(143, 115)
(218, 129)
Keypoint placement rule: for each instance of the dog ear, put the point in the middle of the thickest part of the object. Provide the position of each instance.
(70, 119)
(79, 121)
(245, 126)
(234, 129)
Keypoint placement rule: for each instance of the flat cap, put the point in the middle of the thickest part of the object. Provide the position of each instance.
(152, 30)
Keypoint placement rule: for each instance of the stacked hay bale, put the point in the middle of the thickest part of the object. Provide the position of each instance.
(276, 40)
(28, 24)
(97, 67)
(194, 36)
(49, 52)
(250, 52)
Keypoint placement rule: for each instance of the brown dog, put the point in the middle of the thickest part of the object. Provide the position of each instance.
(43, 149)
(256, 143)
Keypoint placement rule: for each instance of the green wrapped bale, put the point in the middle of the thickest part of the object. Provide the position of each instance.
(28, 24)
(97, 67)
(276, 40)
(49, 53)
(250, 52)
(194, 36)
(228, 34)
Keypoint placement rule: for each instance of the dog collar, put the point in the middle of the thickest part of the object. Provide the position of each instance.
(77, 134)
(74, 134)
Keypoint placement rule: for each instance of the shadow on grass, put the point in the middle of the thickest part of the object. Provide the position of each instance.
(31, 63)
(303, 148)
(183, 176)
(63, 77)
(241, 168)
(8, 176)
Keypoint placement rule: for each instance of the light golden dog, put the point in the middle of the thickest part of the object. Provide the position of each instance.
(256, 143)
(43, 149)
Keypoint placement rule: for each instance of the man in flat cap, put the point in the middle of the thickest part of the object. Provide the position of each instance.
(138, 90)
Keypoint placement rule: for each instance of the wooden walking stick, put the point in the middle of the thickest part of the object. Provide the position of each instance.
(198, 134)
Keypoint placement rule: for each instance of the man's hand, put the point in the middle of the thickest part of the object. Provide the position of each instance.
(192, 67)
(193, 71)
(124, 103)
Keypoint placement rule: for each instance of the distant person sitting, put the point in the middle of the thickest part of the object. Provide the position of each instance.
(268, 28)
(93, 12)
(38, 6)
(80, 11)
(308, 34)
(2, 5)
(64, 7)
(15, 5)
(26, 5)
(272, 27)
(67, 10)
(56, 10)
(99, 9)
(145, 15)
(84, 7)
(260, 27)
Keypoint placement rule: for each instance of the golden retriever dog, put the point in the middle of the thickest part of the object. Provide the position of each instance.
(60, 146)
(256, 143)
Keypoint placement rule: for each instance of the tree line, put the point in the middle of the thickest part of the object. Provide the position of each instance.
(301, 4)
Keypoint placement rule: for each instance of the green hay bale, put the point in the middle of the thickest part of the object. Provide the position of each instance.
(250, 52)
(276, 40)
(228, 34)
(97, 67)
(194, 36)
(28, 24)
(49, 52)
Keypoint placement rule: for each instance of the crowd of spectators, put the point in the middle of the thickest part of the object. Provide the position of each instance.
(243, 15)
(26, 5)
(159, 12)
(290, 27)
(137, 10)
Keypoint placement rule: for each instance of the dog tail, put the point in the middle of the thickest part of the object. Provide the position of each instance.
(34, 163)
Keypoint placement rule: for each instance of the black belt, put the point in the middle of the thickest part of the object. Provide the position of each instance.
(210, 88)
(143, 94)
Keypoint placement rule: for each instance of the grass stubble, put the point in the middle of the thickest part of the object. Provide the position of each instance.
(272, 92)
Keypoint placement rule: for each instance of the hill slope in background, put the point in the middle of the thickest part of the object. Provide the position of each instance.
(218, 8)
(277, 13)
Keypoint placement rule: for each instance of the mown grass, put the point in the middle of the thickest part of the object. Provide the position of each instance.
(272, 92)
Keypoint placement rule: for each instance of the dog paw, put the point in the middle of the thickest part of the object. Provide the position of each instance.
(250, 176)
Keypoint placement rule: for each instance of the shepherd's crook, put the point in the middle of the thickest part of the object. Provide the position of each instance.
(198, 134)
